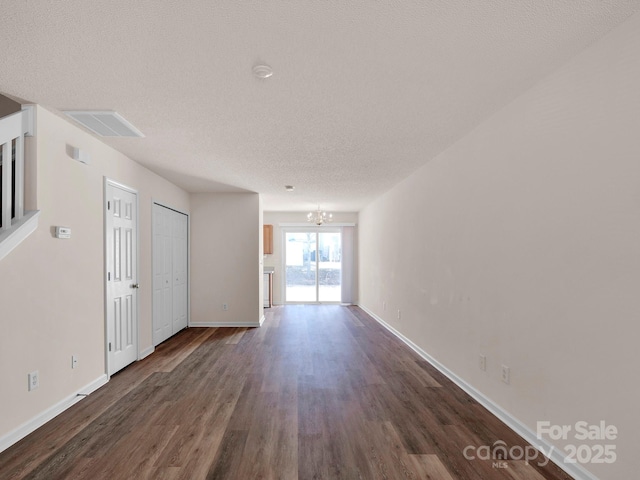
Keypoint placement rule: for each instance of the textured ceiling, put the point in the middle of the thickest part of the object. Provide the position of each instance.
(363, 92)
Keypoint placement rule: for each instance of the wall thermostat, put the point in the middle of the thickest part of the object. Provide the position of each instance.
(63, 232)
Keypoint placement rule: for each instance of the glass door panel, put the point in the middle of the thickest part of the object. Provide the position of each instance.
(329, 266)
(301, 268)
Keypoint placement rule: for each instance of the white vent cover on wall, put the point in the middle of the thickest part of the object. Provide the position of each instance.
(105, 123)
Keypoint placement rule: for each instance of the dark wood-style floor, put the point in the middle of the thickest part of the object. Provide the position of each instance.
(319, 392)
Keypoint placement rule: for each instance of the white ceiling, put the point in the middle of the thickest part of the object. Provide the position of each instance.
(363, 92)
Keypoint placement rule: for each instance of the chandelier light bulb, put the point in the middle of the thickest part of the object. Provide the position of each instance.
(319, 217)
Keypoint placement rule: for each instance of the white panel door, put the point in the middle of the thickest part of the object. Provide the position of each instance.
(170, 272)
(179, 271)
(162, 275)
(121, 238)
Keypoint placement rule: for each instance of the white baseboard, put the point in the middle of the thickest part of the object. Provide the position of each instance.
(36, 422)
(146, 352)
(227, 324)
(575, 470)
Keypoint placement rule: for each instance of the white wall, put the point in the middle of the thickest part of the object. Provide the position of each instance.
(52, 291)
(226, 246)
(276, 259)
(522, 242)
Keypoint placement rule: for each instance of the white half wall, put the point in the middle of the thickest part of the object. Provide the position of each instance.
(521, 242)
(226, 268)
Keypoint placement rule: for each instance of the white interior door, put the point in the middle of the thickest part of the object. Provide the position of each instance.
(179, 271)
(162, 275)
(170, 272)
(121, 237)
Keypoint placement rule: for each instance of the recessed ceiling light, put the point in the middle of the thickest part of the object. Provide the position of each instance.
(289, 188)
(262, 71)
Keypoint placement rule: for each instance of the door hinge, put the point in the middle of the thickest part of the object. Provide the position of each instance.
(109, 346)
(108, 205)
(108, 276)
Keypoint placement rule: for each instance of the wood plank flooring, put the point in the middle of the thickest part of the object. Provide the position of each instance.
(319, 392)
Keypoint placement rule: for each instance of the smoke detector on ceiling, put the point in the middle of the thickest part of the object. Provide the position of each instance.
(105, 123)
(262, 71)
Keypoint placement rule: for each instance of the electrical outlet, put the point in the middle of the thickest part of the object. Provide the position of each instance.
(34, 380)
(225, 307)
(506, 374)
(482, 362)
(399, 314)
(74, 361)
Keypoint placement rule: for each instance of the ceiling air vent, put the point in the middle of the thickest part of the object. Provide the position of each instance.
(105, 123)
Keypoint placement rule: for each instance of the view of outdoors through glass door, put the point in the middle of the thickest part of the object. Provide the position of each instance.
(313, 262)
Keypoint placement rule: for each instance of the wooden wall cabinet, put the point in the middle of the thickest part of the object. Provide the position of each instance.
(267, 239)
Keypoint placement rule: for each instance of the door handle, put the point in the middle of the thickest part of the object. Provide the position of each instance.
(135, 285)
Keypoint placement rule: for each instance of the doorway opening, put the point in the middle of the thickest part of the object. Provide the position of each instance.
(313, 266)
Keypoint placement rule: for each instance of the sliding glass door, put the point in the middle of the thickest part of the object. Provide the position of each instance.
(329, 267)
(313, 261)
(301, 271)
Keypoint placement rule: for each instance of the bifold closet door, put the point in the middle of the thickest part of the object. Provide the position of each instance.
(179, 239)
(162, 275)
(170, 273)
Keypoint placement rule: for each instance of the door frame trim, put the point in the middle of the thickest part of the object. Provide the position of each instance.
(106, 182)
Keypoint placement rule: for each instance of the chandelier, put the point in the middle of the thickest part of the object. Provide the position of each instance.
(319, 217)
